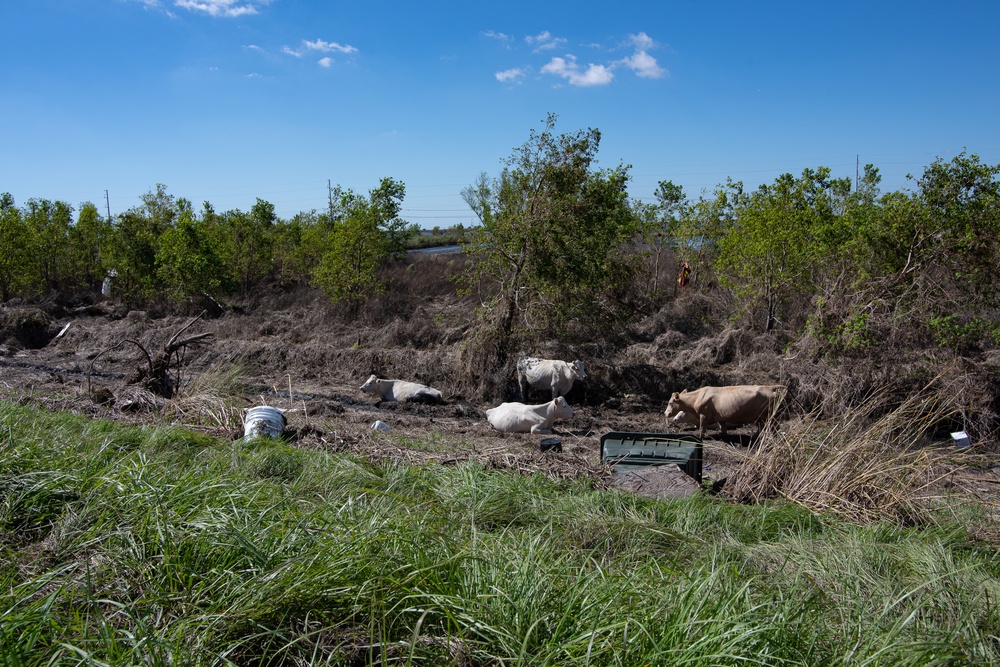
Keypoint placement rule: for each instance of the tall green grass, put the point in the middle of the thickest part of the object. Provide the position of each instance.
(163, 546)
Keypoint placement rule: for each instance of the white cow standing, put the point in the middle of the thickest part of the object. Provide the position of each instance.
(401, 390)
(552, 374)
(521, 418)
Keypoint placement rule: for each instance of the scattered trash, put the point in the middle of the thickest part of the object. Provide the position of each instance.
(62, 331)
(627, 451)
(550, 444)
(264, 421)
(380, 425)
(106, 285)
(961, 439)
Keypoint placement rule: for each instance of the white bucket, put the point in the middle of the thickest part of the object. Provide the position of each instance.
(264, 421)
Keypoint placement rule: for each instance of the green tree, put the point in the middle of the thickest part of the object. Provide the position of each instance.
(549, 247)
(187, 262)
(659, 224)
(363, 233)
(88, 240)
(14, 239)
(939, 248)
(701, 226)
(247, 241)
(49, 225)
(383, 206)
(962, 198)
(773, 250)
(135, 242)
(298, 244)
(348, 269)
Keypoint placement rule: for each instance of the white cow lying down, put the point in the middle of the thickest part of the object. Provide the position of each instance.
(552, 374)
(401, 390)
(521, 418)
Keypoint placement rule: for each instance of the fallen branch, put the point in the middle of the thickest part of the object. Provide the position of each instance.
(155, 375)
(156, 378)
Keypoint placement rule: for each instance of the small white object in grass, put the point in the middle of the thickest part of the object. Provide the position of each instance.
(264, 420)
(961, 439)
(380, 425)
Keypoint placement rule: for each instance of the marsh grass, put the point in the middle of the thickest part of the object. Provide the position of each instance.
(165, 546)
(873, 464)
(208, 400)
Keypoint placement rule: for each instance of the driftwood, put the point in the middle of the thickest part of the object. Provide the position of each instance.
(155, 376)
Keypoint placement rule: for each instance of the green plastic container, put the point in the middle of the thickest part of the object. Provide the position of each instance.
(627, 451)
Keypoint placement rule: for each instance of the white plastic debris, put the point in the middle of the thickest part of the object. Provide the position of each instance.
(380, 425)
(264, 421)
(961, 439)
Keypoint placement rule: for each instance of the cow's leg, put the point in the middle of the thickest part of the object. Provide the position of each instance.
(702, 423)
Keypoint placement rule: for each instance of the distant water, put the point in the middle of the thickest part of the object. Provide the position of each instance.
(444, 248)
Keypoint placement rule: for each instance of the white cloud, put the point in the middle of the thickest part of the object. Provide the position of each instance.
(510, 74)
(544, 41)
(319, 45)
(499, 36)
(156, 5)
(328, 47)
(226, 8)
(567, 68)
(644, 65)
(642, 41)
(640, 62)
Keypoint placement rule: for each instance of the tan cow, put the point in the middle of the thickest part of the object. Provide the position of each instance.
(740, 404)
(401, 390)
(521, 418)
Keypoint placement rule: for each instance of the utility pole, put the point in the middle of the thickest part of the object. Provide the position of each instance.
(329, 196)
(857, 162)
(107, 202)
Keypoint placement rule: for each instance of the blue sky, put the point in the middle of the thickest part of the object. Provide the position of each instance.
(231, 100)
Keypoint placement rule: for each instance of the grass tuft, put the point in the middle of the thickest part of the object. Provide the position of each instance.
(874, 464)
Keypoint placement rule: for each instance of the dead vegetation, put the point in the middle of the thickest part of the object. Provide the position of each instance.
(161, 374)
(882, 461)
(861, 435)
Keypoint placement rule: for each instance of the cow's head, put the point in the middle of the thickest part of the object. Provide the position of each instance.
(562, 410)
(674, 407)
(578, 372)
(370, 384)
(684, 417)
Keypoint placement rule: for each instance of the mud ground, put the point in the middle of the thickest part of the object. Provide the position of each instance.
(294, 352)
(308, 363)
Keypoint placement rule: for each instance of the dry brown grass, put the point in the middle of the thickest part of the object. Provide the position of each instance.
(211, 401)
(878, 462)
